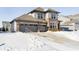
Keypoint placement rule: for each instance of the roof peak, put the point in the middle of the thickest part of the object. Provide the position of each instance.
(52, 10)
(39, 9)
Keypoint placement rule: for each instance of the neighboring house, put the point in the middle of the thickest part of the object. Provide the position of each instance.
(37, 20)
(65, 25)
(68, 26)
(6, 26)
(75, 21)
(73, 24)
(69, 23)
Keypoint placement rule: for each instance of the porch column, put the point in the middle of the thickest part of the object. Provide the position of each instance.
(15, 25)
(48, 24)
(59, 26)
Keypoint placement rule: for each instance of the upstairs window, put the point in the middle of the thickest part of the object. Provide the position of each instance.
(54, 16)
(40, 16)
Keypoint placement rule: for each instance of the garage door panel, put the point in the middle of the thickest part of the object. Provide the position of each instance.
(32, 28)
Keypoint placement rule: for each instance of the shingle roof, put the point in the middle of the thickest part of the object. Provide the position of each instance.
(38, 9)
(26, 17)
(51, 10)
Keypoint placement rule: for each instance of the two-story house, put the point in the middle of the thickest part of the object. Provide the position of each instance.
(37, 20)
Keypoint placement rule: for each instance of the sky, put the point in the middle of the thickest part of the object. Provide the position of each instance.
(10, 13)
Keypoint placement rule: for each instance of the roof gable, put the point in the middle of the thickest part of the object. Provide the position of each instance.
(38, 9)
(51, 10)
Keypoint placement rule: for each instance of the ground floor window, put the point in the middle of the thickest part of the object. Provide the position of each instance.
(53, 26)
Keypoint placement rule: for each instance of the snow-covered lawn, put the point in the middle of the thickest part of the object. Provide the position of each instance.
(33, 42)
(70, 39)
(23, 41)
(73, 35)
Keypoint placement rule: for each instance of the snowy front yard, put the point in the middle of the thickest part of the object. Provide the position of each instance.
(73, 35)
(33, 42)
(23, 41)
